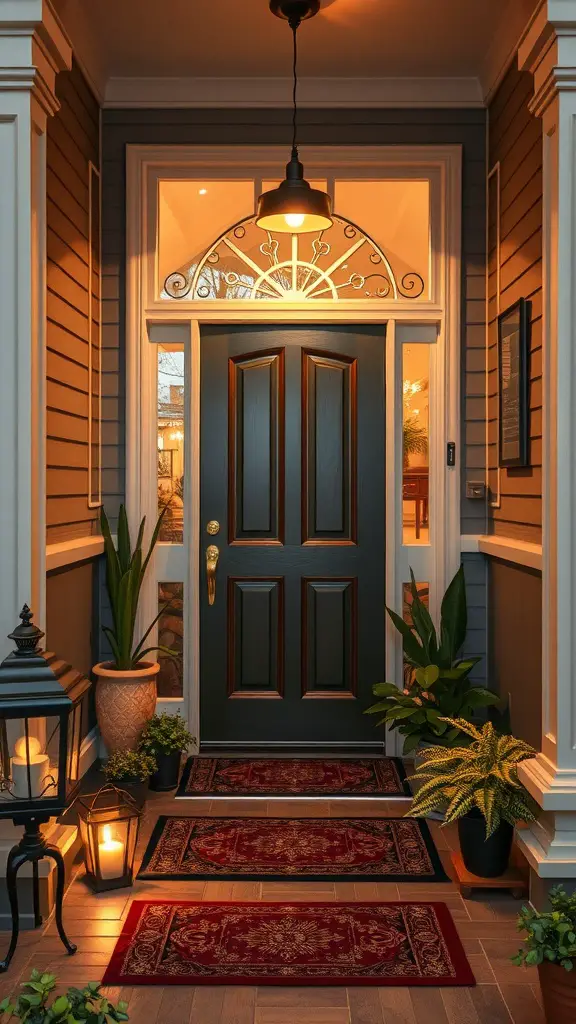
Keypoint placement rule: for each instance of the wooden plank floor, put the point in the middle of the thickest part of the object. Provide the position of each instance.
(487, 927)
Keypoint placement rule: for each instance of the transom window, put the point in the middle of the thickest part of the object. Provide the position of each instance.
(210, 248)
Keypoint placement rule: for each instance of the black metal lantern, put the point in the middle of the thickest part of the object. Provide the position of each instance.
(109, 824)
(40, 738)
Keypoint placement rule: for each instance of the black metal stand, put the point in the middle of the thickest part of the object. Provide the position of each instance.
(31, 849)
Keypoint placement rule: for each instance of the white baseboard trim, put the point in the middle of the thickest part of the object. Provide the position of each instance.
(89, 750)
(521, 552)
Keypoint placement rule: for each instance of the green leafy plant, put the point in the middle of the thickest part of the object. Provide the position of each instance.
(482, 775)
(125, 571)
(129, 766)
(551, 934)
(414, 438)
(38, 1004)
(437, 684)
(165, 734)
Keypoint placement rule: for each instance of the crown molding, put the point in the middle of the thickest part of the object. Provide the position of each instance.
(338, 93)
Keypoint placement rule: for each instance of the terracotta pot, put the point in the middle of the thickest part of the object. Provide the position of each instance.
(125, 703)
(558, 993)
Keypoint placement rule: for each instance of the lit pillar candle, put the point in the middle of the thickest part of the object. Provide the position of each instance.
(110, 855)
(28, 759)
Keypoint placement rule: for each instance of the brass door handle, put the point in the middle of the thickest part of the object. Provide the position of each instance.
(212, 556)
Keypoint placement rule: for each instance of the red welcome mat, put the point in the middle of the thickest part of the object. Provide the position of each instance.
(227, 776)
(176, 943)
(311, 849)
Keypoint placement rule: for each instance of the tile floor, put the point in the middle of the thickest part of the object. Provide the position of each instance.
(504, 993)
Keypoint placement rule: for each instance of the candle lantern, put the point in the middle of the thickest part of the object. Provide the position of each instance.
(40, 738)
(109, 824)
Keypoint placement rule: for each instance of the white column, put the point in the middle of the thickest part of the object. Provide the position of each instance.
(33, 49)
(548, 50)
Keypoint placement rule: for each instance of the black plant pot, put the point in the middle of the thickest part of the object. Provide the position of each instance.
(137, 790)
(168, 773)
(486, 858)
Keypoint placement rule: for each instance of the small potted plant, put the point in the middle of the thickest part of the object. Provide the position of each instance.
(126, 685)
(38, 1004)
(131, 770)
(550, 944)
(477, 786)
(166, 737)
(436, 683)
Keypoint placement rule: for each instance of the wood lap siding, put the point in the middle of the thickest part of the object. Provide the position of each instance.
(515, 142)
(72, 143)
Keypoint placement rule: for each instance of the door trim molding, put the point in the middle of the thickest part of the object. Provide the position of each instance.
(146, 319)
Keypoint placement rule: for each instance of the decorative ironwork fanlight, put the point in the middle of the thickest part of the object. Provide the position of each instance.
(246, 263)
(294, 207)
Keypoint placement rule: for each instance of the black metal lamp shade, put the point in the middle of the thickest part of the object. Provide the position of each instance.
(294, 206)
(40, 728)
(109, 824)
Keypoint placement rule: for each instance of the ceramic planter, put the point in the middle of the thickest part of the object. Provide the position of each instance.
(125, 703)
(558, 993)
(168, 772)
(486, 858)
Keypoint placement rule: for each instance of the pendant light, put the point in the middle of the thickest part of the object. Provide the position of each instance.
(294, 207)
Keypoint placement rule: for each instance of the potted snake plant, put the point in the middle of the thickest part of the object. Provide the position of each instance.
(477, 786)
(126, 684)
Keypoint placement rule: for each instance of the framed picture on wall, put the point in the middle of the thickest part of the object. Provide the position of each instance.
(513, 354)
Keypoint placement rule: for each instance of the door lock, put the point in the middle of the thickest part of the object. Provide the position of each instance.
(213, 527)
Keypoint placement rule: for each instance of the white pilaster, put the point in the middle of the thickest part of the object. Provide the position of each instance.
(548, 50)
(33, 49)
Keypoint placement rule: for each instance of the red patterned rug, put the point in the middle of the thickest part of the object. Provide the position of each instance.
(311, 849)
(176, 943)
(226, 776)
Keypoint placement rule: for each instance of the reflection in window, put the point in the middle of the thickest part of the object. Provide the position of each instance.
(171, 635)
(192, 213)
(415, 443)
(171, 441)
(423, 591)
(396, 214)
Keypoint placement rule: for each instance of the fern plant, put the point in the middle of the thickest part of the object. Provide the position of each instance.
(483, 775)
(437, 685)
(125, 571)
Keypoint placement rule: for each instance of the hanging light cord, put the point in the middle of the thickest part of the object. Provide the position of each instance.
(294, 25)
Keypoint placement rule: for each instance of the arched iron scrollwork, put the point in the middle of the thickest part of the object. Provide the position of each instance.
(246, 262)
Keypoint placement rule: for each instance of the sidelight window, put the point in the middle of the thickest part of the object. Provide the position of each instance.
(171, 442)
(415, 443)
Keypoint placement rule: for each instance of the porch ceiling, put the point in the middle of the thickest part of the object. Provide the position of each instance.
(239, 39)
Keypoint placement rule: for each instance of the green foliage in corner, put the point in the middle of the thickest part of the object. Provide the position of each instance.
(38, 1004)
(551, 934)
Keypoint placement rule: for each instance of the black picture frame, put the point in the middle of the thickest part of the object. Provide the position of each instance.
(513, 356)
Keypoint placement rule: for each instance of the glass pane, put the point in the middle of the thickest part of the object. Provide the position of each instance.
(415, 443)
(396, 215)
(171, 441)
(171, 635)
(34, 754)
(423, 590)
(192, 215)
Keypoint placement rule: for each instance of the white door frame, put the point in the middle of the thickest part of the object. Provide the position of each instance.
(150, 319)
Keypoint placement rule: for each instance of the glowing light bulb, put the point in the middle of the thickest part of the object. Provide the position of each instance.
(202, 191)
(33, 746)
(294, 220)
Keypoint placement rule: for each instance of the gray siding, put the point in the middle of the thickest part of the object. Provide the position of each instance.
(319, 127)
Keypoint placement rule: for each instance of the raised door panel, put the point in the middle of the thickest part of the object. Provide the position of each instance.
(255, 637)
(329, 443)
(329, 637)
(256, 448)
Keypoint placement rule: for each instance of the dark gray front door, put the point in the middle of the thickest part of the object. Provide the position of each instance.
(292, 468)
